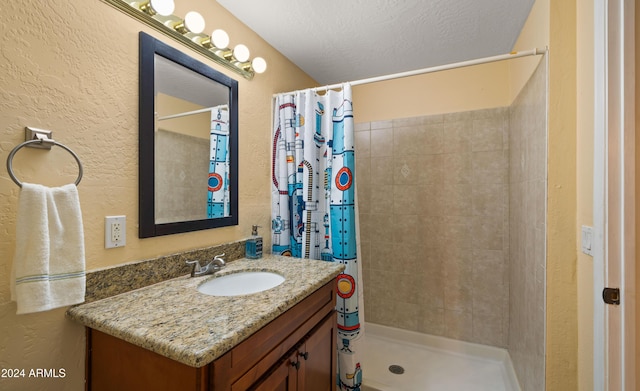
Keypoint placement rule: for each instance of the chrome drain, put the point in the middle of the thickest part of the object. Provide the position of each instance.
(396, 369)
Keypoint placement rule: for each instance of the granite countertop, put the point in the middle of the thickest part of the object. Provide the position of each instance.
(173, 319)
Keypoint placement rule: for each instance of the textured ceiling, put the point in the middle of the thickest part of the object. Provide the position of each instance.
(335, 41)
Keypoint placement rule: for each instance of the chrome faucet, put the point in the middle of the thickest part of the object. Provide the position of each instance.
(212, 267)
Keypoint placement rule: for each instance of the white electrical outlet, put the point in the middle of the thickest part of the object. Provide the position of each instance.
(115, 231)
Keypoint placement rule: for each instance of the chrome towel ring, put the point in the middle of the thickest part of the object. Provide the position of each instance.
(40, 141)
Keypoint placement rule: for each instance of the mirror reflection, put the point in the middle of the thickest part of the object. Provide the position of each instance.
(189, 118)
(192, 142)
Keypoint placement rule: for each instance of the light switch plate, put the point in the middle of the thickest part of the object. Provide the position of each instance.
(587, 240)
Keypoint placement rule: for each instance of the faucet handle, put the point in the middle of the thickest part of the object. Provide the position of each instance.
(219, 258)
(195, 268)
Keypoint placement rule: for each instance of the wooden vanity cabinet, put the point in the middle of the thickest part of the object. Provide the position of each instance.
(295, 351)
(284, 377)
(307, 366)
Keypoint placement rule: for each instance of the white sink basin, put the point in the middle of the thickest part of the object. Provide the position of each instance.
(243, 283)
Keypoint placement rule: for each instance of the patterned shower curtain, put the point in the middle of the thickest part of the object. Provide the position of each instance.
(314, 204)
(218, 181)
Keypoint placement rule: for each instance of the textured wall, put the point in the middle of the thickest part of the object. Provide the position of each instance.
(637, 96)
(527, 198)
(584, 184)
(562, 246)
(72, 67)
(433, 195)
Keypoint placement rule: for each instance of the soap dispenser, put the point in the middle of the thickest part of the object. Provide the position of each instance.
(254, 244)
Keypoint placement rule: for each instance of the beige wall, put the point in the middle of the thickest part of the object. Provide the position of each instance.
(584, 181)
(73, 68)
(637, 26)
(562, 325)
(464, 89)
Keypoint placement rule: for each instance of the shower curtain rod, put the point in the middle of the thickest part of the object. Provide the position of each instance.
(187, 113)
(462, 64)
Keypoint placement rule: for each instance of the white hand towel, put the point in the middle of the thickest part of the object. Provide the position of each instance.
(49, 264)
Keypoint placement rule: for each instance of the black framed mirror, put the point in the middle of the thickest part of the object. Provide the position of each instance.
(188, 143)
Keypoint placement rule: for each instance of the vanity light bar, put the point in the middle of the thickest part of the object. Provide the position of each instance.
(159, 15)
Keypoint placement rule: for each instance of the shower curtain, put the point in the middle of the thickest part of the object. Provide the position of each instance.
(218, 181)
(314, 204)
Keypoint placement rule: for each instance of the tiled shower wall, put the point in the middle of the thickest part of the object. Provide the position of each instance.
(527, 239)
(187, 199)
(434, 223)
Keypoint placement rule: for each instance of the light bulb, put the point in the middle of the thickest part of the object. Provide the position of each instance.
(241, 53)
(162, 7)
(220, 39)
(194, 22)
(259, 65)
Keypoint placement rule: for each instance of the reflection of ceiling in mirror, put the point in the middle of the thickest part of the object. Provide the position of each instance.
(175, 80)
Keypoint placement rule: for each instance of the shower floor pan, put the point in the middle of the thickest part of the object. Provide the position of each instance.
(400, 360)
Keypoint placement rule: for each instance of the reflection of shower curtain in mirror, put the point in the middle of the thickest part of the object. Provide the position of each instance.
(218, 182)
(314, 204)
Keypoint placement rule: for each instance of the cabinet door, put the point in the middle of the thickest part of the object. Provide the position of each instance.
(284, 377)
(114, 364)
(317, 357)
